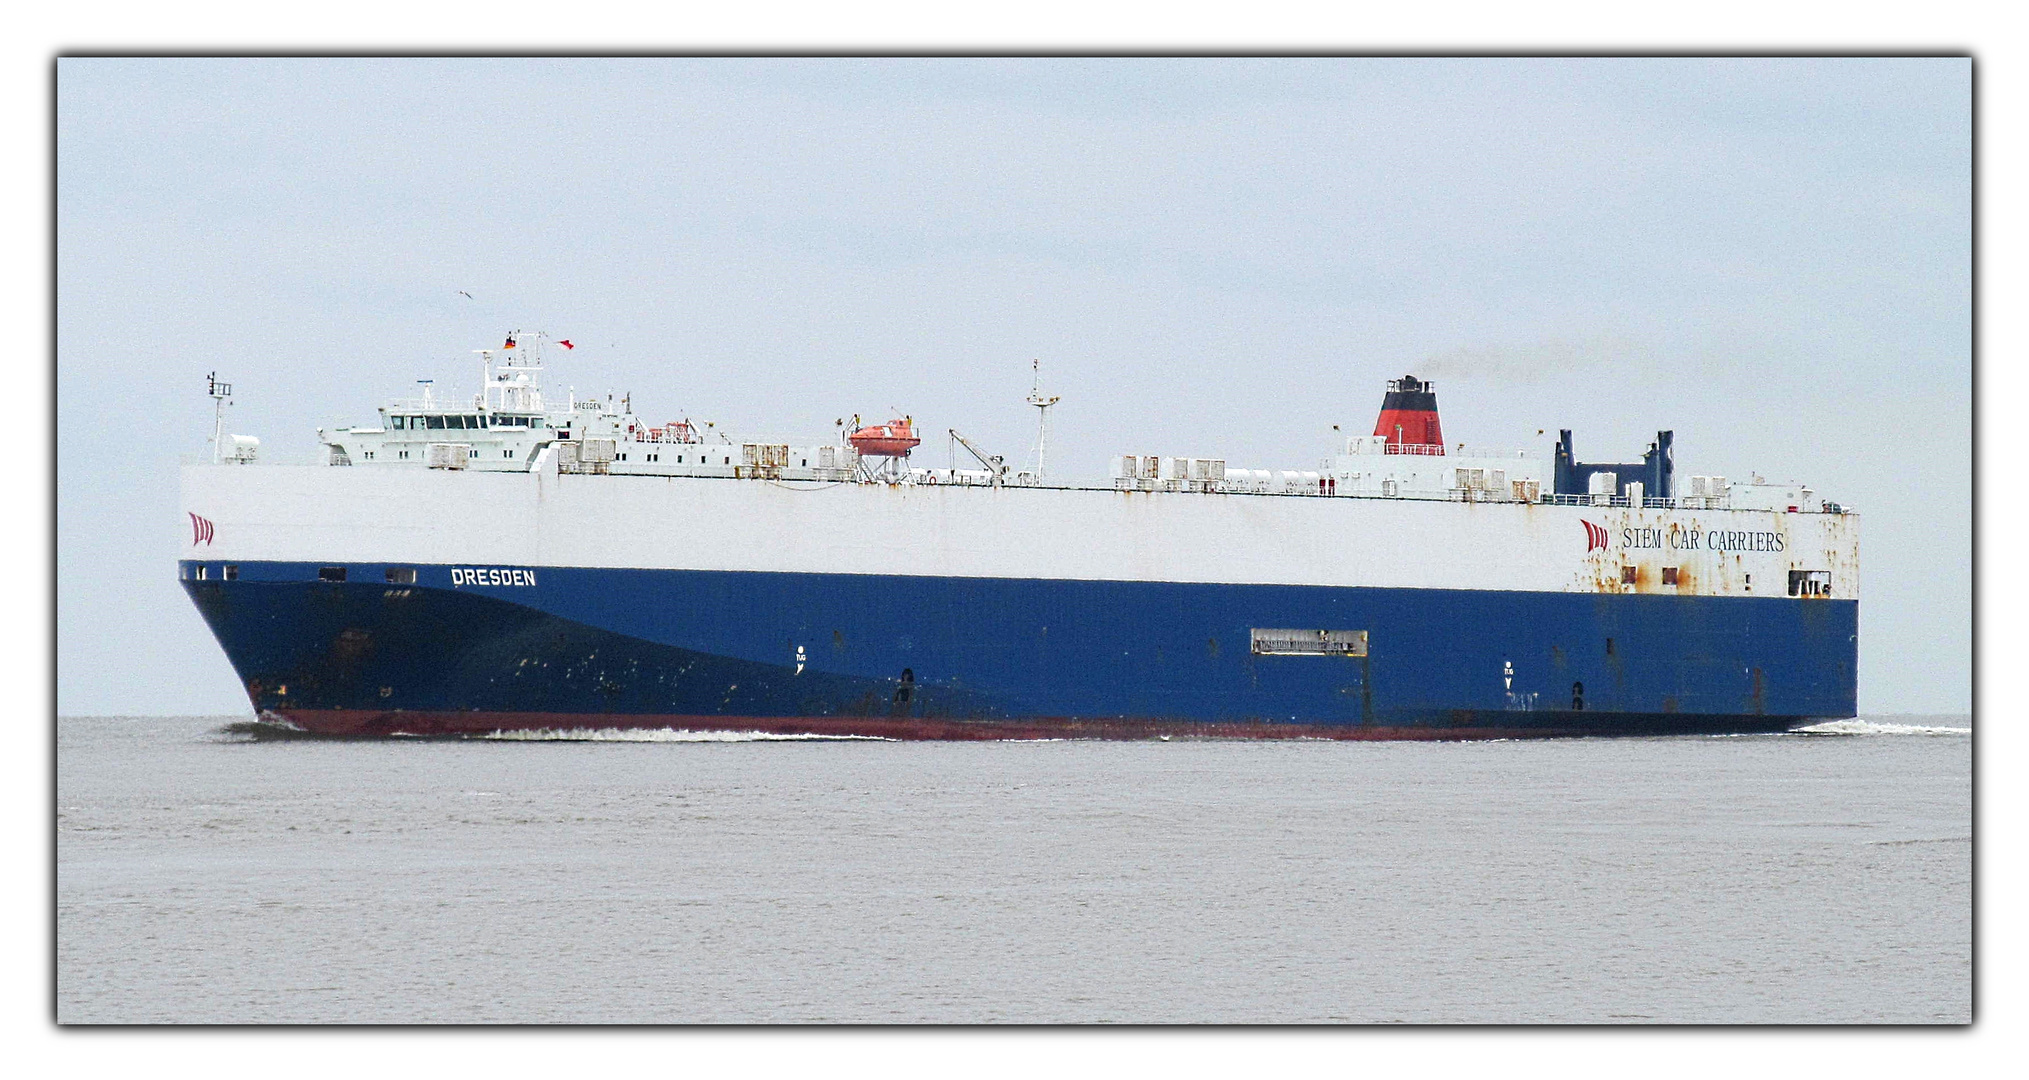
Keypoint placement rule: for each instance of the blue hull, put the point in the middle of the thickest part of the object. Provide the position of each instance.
(996, 658)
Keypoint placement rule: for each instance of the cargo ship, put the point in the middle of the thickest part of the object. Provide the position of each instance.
(503, 562)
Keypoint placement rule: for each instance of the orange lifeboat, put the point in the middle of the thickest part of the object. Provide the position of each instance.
(892, 439)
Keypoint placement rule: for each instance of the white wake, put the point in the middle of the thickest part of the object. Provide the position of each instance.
(1878, 727)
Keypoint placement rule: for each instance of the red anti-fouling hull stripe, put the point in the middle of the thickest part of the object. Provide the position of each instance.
(361, 722)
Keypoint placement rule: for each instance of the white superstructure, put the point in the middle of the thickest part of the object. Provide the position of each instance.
(777, 505)
(509, 426)
(548, 518)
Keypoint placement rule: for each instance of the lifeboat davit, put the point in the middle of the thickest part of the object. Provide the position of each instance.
(892, 439)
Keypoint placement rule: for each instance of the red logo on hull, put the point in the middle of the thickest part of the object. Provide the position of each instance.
(200, 530)
(1595, 537)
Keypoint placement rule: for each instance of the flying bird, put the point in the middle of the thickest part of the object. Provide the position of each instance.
(464, 294)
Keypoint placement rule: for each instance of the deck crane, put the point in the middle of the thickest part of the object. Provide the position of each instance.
(995, 464)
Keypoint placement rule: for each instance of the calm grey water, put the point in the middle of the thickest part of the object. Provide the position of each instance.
(206, 877)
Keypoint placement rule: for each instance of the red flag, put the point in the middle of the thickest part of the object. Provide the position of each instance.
(566, 343)
(510, 342)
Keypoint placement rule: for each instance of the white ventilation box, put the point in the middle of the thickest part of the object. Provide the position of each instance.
(449, 455)
(764, 455)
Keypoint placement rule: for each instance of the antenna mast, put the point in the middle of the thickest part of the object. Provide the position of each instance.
(219, 392)
(1042, 405)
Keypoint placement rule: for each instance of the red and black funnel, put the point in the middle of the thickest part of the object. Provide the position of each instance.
(1409, 417)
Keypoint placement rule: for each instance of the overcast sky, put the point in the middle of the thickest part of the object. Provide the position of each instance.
(1771, 257)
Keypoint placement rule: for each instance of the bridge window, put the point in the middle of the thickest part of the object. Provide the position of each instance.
(397, 422)
(436, 422)
(331, 573)
(201, 568)
(401, 575)
(232, 571)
